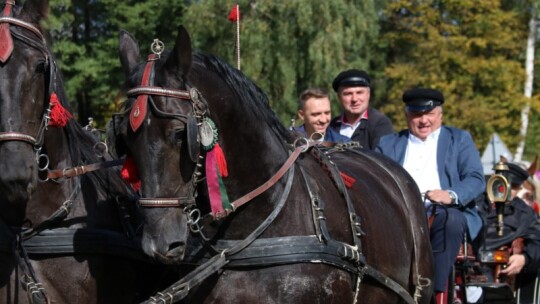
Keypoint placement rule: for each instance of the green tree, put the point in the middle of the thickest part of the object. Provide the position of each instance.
(471, 50)
(287, 46)
(84, 35)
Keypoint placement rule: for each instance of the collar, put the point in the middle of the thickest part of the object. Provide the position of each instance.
(343, 119)
(434, 136)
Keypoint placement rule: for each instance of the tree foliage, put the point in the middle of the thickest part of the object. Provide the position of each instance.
(84, 35)
(471, 50)
(288, 46)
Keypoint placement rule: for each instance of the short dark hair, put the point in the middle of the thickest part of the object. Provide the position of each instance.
(311, 93)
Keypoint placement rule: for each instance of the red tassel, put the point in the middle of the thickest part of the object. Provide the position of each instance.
(536, 208)
(221, 161)
(348, 180)
(234, 15)
(59, 115)
(130, 174)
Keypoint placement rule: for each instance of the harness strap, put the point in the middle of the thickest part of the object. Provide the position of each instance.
(317, 208)
(35, 290)
(17, 136)
(80, 170)
(6, 20)
(59, 215)
(269, 183)
(61, 241)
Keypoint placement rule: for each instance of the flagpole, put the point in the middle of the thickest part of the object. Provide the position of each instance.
(238, 36)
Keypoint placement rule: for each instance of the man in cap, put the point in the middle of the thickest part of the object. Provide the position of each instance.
(446, 166)
(358, 121)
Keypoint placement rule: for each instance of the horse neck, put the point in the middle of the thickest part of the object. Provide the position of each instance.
(253, 150)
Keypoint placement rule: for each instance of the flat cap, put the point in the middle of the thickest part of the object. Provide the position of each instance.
(516, 174)
(422, 99)
(351, 78)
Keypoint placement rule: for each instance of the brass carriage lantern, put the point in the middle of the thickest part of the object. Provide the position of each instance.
(498, 192)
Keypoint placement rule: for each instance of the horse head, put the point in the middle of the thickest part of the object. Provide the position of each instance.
(25, 69)
(181, 113)
(159, 146)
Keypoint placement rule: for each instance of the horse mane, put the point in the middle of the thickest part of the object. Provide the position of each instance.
(252, 97)
(81, 149)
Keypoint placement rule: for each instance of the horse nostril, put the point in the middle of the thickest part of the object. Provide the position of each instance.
(176, 247)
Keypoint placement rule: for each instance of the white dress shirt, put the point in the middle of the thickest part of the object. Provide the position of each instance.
(421, 161)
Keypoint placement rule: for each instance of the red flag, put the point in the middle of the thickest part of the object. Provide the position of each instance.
(234, 15)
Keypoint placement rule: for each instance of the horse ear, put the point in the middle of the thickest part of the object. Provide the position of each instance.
(180, 59)
(130, 55)
(37, 10)
(532, 168)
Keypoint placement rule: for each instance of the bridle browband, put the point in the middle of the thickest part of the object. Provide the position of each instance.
(25, 25)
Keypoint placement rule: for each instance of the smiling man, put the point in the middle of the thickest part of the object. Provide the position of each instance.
(446, 166)
(358, 121)
(314, 110)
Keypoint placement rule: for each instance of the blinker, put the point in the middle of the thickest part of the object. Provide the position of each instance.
(194, 148)
(140, 107)
(6, 41)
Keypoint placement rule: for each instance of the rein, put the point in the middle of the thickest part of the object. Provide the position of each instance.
(80, 170)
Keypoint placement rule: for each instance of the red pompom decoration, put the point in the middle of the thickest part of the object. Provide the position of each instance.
(130, 174)
(59, 116)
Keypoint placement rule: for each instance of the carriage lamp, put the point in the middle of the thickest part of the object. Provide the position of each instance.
(501, 256)
(498, 192)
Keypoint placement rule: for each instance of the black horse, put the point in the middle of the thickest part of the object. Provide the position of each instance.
(64, 240)
(323, 225)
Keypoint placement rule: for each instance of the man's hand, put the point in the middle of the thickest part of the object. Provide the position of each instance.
(515, 264)
(439, 196)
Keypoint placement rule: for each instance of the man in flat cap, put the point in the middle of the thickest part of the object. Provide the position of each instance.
(358, 121)
(446, 166)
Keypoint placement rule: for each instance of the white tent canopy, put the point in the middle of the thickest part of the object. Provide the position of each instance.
(492, 153)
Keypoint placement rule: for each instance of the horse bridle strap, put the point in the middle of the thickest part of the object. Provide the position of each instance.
(17, 136)
(166, 202)
(151, 90)
(25, 25)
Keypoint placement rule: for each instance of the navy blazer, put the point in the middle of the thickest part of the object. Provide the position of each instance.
(459, 165)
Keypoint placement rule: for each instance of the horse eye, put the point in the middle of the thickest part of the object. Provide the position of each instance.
(179, 133)
(40, 68)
